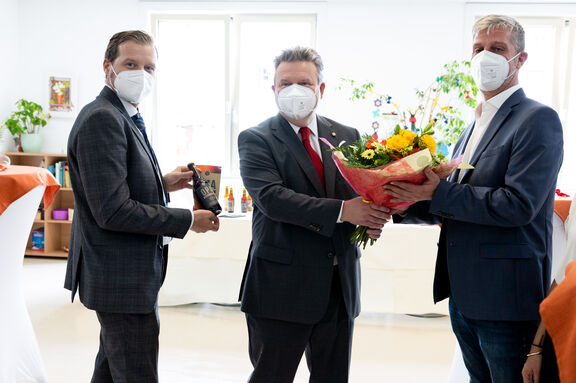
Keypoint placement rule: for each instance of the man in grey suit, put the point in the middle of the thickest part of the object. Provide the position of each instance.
(301, 287)
(117, 257)
(496, 238)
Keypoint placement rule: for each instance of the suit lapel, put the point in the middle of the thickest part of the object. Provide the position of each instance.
(109, 95)
(286, 134)
(459, 150)
(494, 127)
(330, 170)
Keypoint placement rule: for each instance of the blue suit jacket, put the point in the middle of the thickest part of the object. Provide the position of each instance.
(294, 231)
(496, 239)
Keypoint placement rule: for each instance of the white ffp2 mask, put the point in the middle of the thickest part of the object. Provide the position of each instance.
(297, 101)
(133, 85)
(490, 70)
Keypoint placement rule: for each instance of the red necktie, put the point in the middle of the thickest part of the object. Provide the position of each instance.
(305, 133)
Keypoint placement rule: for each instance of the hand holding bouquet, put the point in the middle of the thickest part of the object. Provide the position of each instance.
(369, 164)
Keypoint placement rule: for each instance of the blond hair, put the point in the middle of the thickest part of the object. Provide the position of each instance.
(491, 22)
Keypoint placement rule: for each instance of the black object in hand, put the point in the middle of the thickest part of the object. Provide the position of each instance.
(203, 192)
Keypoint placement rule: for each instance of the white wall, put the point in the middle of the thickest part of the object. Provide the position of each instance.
(360, 39)
(68, 39)
(399, 45)
(8, 64)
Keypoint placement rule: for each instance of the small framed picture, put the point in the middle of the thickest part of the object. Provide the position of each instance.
(61, 97)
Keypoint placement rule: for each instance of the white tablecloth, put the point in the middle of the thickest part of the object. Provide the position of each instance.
(397, 272)
(20, 358)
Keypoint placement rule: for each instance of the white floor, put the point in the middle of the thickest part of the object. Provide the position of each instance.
(206, 343)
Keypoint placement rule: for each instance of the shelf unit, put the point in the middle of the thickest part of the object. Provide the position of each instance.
(56, 232)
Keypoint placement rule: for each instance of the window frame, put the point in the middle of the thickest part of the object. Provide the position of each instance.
(233, 24)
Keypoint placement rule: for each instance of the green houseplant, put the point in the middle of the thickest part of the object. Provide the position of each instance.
(437, 108)
(24, 124)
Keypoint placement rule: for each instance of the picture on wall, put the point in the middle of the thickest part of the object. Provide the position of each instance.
(60, 94)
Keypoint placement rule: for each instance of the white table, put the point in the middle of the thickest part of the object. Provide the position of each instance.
(397, 272)
(20, 359)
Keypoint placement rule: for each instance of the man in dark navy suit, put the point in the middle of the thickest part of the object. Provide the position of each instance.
(496, 238)
(301, 288)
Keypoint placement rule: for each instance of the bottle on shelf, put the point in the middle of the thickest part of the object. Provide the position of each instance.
(231, 201)
(203, 192)
(225, 202)
(244, 202)
(249, 202)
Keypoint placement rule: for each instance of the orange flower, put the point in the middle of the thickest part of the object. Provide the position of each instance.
(370, 144)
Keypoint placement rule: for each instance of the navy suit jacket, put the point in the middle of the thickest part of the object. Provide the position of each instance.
(117, 257)
(495, 245)
(294, 231)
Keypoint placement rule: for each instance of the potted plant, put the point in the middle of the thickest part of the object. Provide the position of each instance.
(24, 124)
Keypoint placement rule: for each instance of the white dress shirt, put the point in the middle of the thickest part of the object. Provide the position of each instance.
(489, 109)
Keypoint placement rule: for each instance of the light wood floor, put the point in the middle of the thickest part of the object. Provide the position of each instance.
(206, 343)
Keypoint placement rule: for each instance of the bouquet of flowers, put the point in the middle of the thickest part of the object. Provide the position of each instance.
(369, 164)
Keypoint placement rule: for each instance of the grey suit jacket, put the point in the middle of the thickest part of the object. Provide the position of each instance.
(496, 239)
(116, 256)
(294, 231)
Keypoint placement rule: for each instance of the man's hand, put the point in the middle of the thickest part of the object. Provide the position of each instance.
(204, 220)
(374, 233)
(405, 191)
(363, 213)
(178, 179)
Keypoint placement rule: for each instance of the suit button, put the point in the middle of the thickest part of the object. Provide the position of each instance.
(330, 255)
(451, 244)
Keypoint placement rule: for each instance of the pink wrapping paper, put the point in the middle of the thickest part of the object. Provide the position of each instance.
(368, 182)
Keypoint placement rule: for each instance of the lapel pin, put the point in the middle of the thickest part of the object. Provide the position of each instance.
(333, 134)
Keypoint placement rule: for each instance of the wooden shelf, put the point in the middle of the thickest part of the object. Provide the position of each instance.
(56, 232)
(55, 253)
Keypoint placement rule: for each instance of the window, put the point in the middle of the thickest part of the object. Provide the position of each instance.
(214, 79)
(549, 76)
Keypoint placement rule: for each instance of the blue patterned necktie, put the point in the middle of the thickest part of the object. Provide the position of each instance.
(139, 121)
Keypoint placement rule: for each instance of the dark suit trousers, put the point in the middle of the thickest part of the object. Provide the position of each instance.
(276, 346)
(128, 348)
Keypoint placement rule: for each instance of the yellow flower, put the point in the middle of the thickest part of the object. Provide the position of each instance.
(398, 142)
(408, 134)
(428, 141)
(368, 154)
(378, 146)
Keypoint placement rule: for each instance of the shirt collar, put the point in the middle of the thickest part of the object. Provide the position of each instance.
(501, 97)
(313, 126)
(130, 109)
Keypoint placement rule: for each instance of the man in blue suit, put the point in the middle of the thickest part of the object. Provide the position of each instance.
(495, 243)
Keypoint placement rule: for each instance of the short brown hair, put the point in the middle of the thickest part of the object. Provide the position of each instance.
(139, 37)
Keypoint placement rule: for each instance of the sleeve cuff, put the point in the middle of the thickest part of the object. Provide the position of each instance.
(339, 220)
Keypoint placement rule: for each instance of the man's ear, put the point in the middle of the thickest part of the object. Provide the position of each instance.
(322, 86)
(522, 59)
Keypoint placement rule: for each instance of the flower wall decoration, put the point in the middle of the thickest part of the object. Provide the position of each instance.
(438, 106)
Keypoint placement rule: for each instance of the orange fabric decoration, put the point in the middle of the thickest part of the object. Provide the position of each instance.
(558, 312)
(562, 208)
(19, 180)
